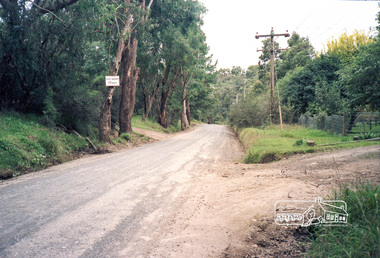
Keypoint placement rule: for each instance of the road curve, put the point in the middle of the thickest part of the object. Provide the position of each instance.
(113, 205)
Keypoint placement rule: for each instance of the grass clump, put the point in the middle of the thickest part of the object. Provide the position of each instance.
(150, 124)
(361, 237)
(272, 143)
(126, 136)
(26, 145)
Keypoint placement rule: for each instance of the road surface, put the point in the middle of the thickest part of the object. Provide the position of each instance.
(114, 205)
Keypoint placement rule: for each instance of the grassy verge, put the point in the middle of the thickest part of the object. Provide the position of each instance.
(124, 138)
(150, 124)
(271, 144)
(26, 145)
(361, 237)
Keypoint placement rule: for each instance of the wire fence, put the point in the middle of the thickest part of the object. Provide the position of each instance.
(353, 123)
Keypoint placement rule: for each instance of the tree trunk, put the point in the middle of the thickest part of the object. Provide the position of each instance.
(163, 107)
(165, 97)
(145, 101)
(158, 101)
(184, 121)
(104, 123)
(149, 99)
(188, 110)
(129, 78)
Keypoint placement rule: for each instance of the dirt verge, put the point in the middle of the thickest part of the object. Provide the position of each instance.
(232, 204)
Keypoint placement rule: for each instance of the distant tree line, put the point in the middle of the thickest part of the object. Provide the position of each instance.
(343, 78)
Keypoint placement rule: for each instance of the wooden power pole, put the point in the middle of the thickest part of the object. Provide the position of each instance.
(271, 35)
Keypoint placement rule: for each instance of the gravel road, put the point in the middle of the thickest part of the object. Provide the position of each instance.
(113, 205)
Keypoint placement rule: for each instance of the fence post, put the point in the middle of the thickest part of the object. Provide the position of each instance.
(332, 124)
(344, 124)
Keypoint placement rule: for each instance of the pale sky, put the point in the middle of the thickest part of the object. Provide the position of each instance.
(231, 26)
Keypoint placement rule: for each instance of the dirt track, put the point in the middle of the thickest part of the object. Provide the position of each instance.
(186, 196)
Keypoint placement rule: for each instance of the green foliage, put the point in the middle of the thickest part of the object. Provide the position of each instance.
(126, 136)
(172, 52)
(361, 78)
(344, 78)
(299, 54)
(26, 145)
(299, 142)
(250, 112)
(50, 112)
(361, 236)
(50, 62)
(346, 47)
(367, 136)
(314, 87)
(152, 125)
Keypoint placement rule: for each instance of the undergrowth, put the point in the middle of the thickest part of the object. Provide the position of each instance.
(361, 236)
(26, 145)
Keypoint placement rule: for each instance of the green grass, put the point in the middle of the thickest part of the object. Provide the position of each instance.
(271, 144)
(359, 128)
(361, 237)
(26, 145)
(150, 124)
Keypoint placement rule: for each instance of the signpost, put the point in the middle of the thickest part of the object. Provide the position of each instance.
(112, 81)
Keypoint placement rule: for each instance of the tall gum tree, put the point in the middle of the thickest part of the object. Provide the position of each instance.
(104, 124)
(125, 56)
(178, 50)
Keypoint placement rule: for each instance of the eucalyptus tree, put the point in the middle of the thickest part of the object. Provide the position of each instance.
(169, 52)
(299, 53)
(124, 15)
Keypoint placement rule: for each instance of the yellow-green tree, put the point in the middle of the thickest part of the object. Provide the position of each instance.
(347, 46)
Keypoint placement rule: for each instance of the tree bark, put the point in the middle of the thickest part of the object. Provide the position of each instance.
(129, 78)
(104, 124)
(184, 121)
(188, 110)
(163, 107)
(165, 97)
(149, 99)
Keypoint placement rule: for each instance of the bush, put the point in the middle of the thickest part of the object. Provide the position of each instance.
(367, 136)
(126, 136)
(361, 237)
(251, 112)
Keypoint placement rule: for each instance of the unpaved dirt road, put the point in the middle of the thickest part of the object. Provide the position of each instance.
(186, 196)
(119, 204)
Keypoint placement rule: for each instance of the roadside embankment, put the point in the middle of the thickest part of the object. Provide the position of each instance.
(269, 144)
(26, 145)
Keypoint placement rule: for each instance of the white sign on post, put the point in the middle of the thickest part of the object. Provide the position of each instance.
(112, 81)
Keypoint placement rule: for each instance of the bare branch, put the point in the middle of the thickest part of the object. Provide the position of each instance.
(59, 6)
(150, 4)
(48, 11)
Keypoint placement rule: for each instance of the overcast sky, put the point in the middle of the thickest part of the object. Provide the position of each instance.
(230, 26)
